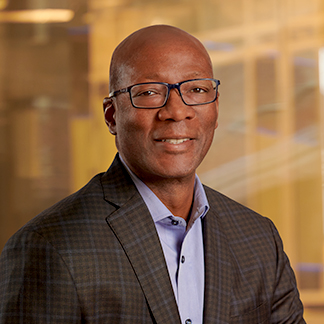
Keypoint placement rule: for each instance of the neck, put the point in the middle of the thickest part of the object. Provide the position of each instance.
(177, 195)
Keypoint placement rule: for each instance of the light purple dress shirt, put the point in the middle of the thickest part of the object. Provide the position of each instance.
(183, 248)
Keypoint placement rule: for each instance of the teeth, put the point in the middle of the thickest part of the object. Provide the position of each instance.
(175, 141)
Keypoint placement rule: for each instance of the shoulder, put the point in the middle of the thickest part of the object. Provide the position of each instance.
(240, 224)
(68, 217)
(252, 239)
(82, 214)
(74, 206)
(229, 208)
(261, 271)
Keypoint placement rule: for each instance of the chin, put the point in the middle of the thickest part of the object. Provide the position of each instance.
(175, 173)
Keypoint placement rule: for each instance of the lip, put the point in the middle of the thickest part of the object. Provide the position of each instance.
(175, 140)
(174, 144)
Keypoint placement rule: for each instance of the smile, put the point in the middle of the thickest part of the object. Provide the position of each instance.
(175, 140)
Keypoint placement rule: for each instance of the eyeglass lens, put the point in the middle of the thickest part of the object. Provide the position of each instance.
(194, 92)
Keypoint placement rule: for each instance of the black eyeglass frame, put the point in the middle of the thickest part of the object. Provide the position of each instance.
(170, 86)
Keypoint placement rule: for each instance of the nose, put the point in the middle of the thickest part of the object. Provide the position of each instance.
(175, 109)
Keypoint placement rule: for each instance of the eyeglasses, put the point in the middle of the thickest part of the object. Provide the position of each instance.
(156, 94)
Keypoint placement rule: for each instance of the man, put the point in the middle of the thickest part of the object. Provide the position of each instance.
(145, 242)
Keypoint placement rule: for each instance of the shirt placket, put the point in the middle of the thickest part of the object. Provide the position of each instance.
(190, 277)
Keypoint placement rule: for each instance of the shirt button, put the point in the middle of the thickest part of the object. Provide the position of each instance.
(174, 222)
(188, 321)
(183, 259)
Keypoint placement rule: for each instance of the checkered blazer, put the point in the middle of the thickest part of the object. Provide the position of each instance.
(95, 257)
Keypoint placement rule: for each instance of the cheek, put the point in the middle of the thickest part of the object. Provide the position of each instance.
(132, 128)
(215, 116)
(211, 120)
(208, 127)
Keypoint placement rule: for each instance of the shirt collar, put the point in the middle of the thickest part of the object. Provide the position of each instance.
(158, 210)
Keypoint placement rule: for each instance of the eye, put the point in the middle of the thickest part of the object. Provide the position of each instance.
(146, 93)
(198, 90)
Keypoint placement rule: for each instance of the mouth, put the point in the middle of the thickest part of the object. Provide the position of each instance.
(174, 140)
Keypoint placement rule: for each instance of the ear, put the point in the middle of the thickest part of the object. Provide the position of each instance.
(109, 111)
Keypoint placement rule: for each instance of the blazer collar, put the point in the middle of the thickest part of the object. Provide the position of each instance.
(133, 226)
(218, 272)
(117, 184)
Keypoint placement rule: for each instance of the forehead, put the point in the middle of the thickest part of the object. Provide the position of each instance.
(162, 55)
(172, 60)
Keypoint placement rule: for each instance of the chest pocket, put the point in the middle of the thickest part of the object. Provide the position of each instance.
(259, 315)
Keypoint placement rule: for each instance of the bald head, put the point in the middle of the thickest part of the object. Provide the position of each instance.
(138, 46)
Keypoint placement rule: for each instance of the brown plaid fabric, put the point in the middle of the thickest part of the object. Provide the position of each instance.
(95, 257)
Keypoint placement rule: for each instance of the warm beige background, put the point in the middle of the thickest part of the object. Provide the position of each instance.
(268, 152)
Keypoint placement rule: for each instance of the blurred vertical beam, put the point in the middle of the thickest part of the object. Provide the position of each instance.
(4, 207)
(286, 132)
(102, 41)
(321, 85)
(93, 148)
(249, 99)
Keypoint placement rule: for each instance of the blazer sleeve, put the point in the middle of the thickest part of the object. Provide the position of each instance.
(35, 284)
(286, 305)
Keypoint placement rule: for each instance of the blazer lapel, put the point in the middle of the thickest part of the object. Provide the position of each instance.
(135, 229)
(218, 272)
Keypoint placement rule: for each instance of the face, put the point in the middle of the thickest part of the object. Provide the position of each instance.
(168, 142)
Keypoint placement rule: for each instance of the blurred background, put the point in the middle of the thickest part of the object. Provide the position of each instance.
(268, 152)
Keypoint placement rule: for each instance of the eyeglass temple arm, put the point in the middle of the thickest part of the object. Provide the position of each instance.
(114, 93)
